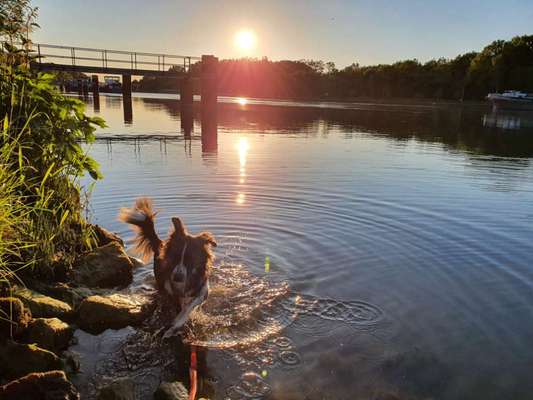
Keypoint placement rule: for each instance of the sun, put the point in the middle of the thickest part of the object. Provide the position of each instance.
(245, 39)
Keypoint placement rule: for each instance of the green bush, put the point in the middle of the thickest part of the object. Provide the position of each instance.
(41, 158)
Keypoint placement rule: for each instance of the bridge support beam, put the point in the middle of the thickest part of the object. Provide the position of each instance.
(186, 105)
(126, 85)
(126, 99)
(186, 94)
(209, 94)
(85, 86)
(96, 93)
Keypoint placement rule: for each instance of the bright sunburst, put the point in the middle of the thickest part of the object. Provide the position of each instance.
(245, 39)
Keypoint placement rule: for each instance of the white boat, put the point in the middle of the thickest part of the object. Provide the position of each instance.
(511, 100)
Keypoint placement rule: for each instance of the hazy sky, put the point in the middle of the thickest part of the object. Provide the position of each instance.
(343, 31)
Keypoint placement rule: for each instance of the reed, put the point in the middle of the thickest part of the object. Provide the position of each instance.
(42, 160)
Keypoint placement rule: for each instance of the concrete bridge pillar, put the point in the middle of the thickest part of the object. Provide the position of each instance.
(85, 86)
(209, 82)
(209, 94)
(96, 92)
(186, 105)
(126, 99)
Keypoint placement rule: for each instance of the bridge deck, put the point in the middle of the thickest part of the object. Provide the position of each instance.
(83, 59)
(105, 70)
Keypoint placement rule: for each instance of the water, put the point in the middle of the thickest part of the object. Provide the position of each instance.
(398, 238)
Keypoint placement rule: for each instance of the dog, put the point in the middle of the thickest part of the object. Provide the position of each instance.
(182, 262)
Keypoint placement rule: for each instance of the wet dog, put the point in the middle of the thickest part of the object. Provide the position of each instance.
(181, 262)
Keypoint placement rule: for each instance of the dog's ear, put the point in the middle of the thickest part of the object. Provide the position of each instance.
(179, 228)
(208, 238)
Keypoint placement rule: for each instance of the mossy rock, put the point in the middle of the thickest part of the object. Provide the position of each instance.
(14, 317)
(103, 236)
(42, 306)
(72, 295)
(52, 385)
(17, 360)
(49, 333)
(115, 311)
(171, 391)
(119, 389)
(104, 267)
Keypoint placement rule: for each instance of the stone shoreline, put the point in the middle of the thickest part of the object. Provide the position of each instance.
(34, 359)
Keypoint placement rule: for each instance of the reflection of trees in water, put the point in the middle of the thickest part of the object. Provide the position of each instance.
(456, 127)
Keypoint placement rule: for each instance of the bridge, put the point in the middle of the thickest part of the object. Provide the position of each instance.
(51, 57)
(83, 59)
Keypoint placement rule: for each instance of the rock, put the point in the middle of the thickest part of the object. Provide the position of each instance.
(105, 267)
(71, 362)
(52, 385)
(14, 317)
(103, 236)
(49, 333)
(137, 263)
(171, 391)
(73, 296)
(17, 360)
(119, 389)
(115, 311)
(42, 306)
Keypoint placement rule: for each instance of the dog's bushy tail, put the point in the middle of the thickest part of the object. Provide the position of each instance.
(141, 217)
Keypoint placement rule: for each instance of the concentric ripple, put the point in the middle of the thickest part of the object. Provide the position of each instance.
(243, 309)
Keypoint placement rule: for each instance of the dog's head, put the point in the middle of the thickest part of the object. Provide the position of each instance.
(198, 256)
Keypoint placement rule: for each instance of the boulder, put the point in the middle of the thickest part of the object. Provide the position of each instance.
(42, 306)
(105, 267)
(103, 236)
(137, 262)
(171, 391)
(52, 385)
(49, 333)
(72, 295)
(115, 311)
(71, 362)
(14, 317)
(17, 360)
(119, 389)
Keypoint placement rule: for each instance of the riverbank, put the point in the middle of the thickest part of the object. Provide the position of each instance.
(36, 355)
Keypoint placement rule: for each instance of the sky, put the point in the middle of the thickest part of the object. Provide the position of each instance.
(343, 31)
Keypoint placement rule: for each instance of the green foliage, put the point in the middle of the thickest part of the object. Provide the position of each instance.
(502, 65)
(41, 159)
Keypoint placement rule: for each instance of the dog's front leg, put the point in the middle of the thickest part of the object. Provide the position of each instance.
(186, 310)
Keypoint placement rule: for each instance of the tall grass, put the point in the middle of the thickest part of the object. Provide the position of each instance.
(42, 227)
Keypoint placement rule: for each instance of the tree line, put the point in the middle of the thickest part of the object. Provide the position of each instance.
(502, 65)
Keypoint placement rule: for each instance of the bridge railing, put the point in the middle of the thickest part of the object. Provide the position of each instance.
(104, 58)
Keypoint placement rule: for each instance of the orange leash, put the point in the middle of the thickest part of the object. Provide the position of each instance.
(192, 373)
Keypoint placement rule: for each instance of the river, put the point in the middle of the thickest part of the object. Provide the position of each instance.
(364, 250)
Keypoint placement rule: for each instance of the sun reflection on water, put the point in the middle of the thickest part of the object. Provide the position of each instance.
(242, 147)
